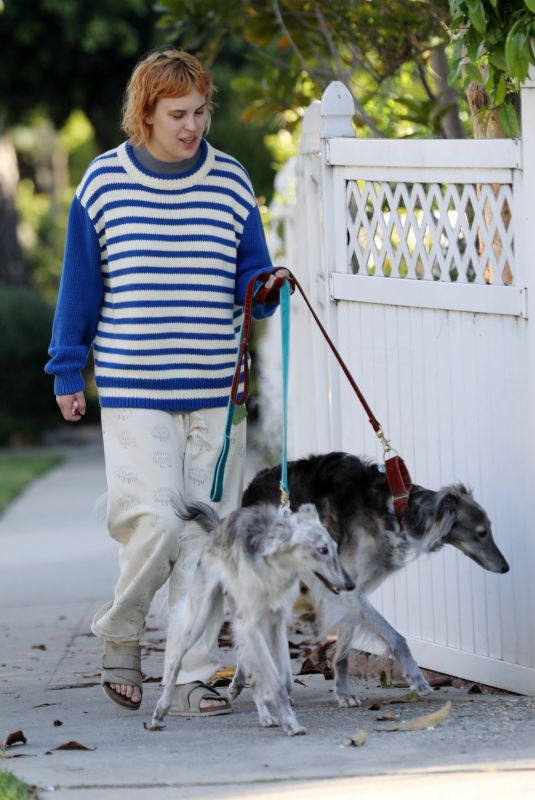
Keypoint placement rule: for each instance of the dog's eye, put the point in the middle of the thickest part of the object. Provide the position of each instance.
(481, 533)
(323, 549)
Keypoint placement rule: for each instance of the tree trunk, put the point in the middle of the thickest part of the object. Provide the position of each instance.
(451, 123)
(13, 269)
(486, 125)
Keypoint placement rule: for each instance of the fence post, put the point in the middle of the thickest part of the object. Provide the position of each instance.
(337, 110)
(524, 227)
(308, 384)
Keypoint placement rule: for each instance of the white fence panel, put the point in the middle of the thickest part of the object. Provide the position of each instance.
(417, 256)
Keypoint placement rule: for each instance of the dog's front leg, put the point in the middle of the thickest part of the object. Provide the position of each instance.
(201, 604)
(399, 648)
(267, 676)
(281, 652)
(342, 689)
(248, 664)
(238, 681)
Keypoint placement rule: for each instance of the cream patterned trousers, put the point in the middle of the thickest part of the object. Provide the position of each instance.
(149, 455)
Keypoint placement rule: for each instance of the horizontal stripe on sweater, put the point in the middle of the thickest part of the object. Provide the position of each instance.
(138, 368)
(167, 351)
(183, 288)
(168, 304)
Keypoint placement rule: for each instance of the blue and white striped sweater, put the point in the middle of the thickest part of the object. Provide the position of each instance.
(154, 278)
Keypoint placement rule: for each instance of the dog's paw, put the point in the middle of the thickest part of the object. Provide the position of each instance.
(267, 721)
(154, 726)
(421, 686)
(348, 701)
(295, 730)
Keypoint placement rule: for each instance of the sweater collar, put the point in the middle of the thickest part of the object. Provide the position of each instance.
(184, 180)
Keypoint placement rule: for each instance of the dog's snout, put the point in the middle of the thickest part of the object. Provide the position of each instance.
(349, 584)
(505, 568)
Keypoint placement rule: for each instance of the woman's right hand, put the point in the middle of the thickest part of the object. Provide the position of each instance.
(72, 406)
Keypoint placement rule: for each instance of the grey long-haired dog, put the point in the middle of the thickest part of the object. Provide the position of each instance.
(355, 505)
(256, 557)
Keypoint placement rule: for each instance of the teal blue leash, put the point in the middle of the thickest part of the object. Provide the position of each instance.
(285, 337)
(216, 491)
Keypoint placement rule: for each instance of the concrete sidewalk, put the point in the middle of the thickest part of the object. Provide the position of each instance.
(57, 565)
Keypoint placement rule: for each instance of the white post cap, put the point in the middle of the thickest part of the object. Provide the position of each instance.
(337, 110)
(310, 130)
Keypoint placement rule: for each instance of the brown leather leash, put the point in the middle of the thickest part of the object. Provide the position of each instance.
(397, 474)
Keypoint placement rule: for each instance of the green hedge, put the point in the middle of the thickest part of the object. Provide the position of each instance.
(27, 404)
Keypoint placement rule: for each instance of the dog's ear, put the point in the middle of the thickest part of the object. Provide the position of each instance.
(278, 539)
(283, 513)
(447, 506)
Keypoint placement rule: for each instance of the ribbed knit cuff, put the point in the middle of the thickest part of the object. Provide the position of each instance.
(68, 383)
(264, 310)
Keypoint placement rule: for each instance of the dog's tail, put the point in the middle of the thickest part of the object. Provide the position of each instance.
(196, 511)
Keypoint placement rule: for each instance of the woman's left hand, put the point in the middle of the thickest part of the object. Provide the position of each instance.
(270, 291)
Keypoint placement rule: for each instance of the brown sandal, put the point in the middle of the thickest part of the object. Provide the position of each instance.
(187, 697)
(121, 664)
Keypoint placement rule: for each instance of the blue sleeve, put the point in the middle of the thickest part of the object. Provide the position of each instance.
(253, 259)
(79, 301)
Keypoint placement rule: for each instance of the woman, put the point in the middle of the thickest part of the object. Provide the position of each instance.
(163, 237)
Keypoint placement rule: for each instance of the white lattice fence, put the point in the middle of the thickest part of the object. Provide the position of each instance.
(417, 255)
(457, 232)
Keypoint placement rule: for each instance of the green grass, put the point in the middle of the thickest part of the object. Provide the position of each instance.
(12, 788)
(17, 471)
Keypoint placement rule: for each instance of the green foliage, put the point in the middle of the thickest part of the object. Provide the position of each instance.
(42, 231)
(297, 48)
(27, 405)
(59, 55)
(12, 788)
(51, 165)
(230, 133)
(494, 47)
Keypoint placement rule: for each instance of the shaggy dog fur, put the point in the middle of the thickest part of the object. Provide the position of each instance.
(354, 503)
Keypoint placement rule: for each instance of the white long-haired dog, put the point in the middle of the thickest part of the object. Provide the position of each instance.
(256, 556)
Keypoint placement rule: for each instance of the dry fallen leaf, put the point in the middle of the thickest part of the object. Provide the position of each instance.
(358, 739)
(152, 678)
(388, 716)
(73, 686)
(409, 697)
(475, 689)
(17, 737)
(227, 672)
(420, 723)
(73, 746)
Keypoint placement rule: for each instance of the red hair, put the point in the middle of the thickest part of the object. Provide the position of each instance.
(163, 73)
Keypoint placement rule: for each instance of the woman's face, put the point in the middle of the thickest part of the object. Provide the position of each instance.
(176, 126)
